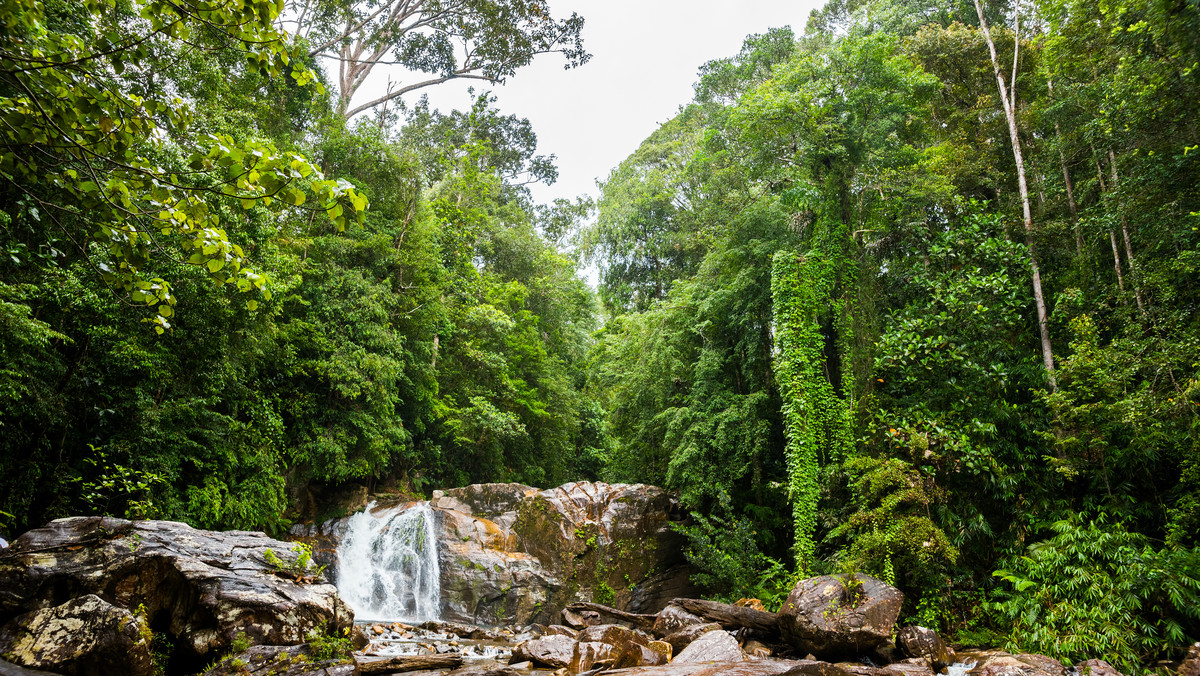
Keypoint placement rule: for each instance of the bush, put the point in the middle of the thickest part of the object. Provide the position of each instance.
(1097, 590)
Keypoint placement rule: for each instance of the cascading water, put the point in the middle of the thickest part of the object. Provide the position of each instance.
(388, 565)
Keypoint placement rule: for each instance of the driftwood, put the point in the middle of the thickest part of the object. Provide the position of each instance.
(403, 663)
(645, 622)
(731, 617)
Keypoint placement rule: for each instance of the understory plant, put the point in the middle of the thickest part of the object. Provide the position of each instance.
(1096, 590)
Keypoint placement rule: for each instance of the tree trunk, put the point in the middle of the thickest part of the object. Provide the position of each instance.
(1137, 287)
(1112, 236)
(403, 663)
(1008, 99)
(612, 615)
(731, 617)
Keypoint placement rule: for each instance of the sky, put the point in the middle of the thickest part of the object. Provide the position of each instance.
(645, 58)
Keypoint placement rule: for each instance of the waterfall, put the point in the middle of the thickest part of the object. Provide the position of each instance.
(388, 564)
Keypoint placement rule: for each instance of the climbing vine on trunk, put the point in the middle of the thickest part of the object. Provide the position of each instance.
(808, 328)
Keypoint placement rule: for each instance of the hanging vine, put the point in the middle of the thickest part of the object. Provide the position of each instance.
(808, 315)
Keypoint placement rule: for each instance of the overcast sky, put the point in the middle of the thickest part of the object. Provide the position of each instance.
(645, 57)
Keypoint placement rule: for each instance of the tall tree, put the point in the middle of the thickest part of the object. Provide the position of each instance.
(1008, 99)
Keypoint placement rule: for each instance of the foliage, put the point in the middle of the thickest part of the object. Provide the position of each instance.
(1096, 590)
(324, 646)
(302, 568)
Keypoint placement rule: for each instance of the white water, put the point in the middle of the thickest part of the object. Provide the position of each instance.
(388, 565)
(959, 668)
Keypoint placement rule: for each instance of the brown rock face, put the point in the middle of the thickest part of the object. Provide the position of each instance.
(82, 637)
(924, 643)
(1098, 668)
(1191, 664)
(589, 655)
(511, 554)
(199, 588)
(552, 651)
(832, 618)
(713, 646)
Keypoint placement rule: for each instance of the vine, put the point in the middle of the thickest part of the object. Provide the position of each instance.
(816, 419)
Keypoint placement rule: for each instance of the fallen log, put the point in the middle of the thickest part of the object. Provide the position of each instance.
(639, 621)
(731, 617)
(403, 663)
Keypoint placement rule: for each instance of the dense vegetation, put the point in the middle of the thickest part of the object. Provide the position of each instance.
(913, 293)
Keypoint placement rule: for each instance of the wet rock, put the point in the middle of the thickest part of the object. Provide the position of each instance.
(684, 637)
(552, 651)
(763, 667)
(630, 654)
(673, 618)
(713, 646)
(815, 668)
(1191, 663)
(999, 663)
(81, 637)
(915, 641)
(280, 661)
(590, 655)
(613, 634)
(561, 630)
(833, 617)
(911, 667)
(199, 588)
(1097, 668)
(1044, 663)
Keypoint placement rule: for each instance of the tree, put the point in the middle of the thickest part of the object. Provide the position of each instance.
(1008, 99)
(441, 39)
(117, 172)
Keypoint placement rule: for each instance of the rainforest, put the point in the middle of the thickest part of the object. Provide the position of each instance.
(911, 291)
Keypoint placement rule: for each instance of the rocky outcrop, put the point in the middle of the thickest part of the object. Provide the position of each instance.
(1191, 664)
(201, 589)
(833, 617)
(713, 646)
(81, 637)
(513, 554)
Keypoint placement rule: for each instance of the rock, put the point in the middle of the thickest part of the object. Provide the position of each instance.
(510, 554)
(673, 618)
(262, 660)
(81, 637)
(613, 634)
(998, 663)
(1097, 668)
(756, 604)
(662, 647)
(10, 669)
(713, 646)
(682, 638)
(630, 654)
(815, 668)
(561, 630)
(831, 618)
(1191, 663)
(756, 649)
(201, 589)
(589, 655)
(763, 667)
(917, 641)
(552, 651)
(920, 668)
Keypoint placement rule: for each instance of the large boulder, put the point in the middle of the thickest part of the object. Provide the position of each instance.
(554, 651)
(201, 589)
(922, 642)
(835, 616)
(713, 646)
(83, 637)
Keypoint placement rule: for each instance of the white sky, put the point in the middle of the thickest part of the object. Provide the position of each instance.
(645, 58)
